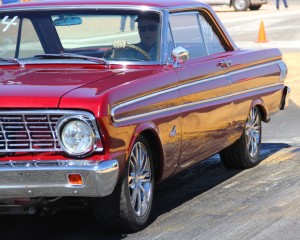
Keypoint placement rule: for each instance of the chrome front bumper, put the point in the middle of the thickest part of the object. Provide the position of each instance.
(50, 178)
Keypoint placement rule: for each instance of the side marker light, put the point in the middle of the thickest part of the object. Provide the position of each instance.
(75, 179)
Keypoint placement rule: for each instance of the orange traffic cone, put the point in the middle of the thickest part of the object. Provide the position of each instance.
(262, 34)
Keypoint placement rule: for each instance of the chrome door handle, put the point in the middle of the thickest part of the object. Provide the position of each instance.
(225, 63)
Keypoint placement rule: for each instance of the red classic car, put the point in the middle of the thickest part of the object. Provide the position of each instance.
(96, 114)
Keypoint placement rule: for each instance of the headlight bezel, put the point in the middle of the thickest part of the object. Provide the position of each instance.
(62, 123)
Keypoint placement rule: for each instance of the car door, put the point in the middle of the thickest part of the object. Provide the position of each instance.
(204, 85)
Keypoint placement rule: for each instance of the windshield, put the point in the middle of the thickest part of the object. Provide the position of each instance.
(111, 35)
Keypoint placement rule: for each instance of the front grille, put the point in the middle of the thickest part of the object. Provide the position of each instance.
(28, 131)
(36, 130)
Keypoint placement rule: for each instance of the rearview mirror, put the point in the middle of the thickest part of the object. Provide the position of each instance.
(67, 21)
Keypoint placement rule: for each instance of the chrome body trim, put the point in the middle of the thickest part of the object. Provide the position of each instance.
(182, 106)
(283, 71)
(50, 178)
(24, 62)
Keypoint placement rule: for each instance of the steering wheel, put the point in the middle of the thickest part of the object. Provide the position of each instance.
(136, 48)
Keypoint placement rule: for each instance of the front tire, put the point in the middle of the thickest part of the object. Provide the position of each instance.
(240, 5)
(128, 208)
(244, 153)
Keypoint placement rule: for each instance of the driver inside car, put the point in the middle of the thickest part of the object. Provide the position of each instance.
(148, 24)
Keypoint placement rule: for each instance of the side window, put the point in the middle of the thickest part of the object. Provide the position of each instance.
(211, 39)
(8, 36)
(29, 42)
(193, 32)
(186, 33)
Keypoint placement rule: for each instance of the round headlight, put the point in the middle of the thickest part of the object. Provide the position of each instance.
(77, 137)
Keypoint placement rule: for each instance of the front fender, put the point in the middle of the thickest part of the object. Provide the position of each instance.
(151, 132)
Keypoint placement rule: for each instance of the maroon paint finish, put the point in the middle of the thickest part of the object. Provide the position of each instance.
(25, 87)
(101, 96)
(153, 3)
(79, 97)
(206, 124)
(192, 110)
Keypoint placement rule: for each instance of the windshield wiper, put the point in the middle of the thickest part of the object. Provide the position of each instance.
(11, 60)
(71, 55)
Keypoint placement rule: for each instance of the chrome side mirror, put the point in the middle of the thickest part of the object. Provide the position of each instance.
(180, 55)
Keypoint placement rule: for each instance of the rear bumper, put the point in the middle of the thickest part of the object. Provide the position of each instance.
(50, 178)
(285, 98)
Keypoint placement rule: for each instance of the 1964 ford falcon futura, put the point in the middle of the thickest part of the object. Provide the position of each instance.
(98, 113)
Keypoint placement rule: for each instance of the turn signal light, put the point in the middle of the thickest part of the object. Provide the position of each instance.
(75, 179)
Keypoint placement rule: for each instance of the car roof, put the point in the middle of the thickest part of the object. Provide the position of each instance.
(159, 5)
(169, 4)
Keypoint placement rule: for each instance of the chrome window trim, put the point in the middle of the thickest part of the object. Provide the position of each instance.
(158, 8)
(24, 62)
(162, 12)
(182, 106)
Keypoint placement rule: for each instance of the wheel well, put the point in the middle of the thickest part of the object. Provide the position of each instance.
(263, 113)
(156, 151)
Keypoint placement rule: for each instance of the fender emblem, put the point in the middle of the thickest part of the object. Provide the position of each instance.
(173, 132)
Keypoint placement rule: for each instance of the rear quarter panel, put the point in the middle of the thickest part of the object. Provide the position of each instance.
(255, 77)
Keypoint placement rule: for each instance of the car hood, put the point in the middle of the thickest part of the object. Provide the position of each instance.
(43, 88)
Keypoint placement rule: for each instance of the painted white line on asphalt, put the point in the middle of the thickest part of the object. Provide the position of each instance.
(258, 16)
(271, 44)
(270, 25)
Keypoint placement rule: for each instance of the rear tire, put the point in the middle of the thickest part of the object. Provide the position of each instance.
(254, 7)
(244, 153)
(128, 208)
(240, 5)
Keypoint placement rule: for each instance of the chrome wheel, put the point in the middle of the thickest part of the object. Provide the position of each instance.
(244, 153)
(253, 132)
(140, 179)
(241, 5)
